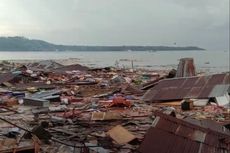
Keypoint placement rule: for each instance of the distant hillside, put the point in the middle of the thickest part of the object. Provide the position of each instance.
(24, 44)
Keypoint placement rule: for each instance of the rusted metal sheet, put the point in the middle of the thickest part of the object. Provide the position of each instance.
(5, 77)
(227, 79)
(190, 87)
(173, 135)
(206, 124)
(217, 79)
(186, 68)
(73, 67)
(190, 82)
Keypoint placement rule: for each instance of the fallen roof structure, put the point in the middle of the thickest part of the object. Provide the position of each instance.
(86, 112)
(169, 134)
(208, 124)
(199, 87)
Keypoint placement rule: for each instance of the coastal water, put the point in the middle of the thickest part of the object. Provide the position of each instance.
(209, 61)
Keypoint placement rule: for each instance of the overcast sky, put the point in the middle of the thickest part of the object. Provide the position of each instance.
(203, 23)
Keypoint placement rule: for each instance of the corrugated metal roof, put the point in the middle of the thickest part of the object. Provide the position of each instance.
(186, 68)
(207, 124)
(190, 87)
(220, 90)
(171, 135)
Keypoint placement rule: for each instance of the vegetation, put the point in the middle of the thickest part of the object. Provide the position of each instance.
(24, 44)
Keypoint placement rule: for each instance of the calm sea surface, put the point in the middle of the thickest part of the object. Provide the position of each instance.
(209, 61)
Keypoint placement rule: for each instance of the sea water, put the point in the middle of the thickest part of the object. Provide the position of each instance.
(211, 61)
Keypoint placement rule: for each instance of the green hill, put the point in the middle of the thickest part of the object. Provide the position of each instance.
(24, 44)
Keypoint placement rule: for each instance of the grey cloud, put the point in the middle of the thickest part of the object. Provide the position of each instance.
(118, 22)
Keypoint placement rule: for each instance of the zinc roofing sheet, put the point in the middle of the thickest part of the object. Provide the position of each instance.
(171, 135)
(191, 87)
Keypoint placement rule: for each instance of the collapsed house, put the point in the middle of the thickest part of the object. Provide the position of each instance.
(198, 87)
(169, 134)
(102, 110)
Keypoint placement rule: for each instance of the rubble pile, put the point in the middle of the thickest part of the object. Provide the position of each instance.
(48, 107)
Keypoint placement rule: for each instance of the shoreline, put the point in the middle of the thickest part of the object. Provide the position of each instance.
(149, 67)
